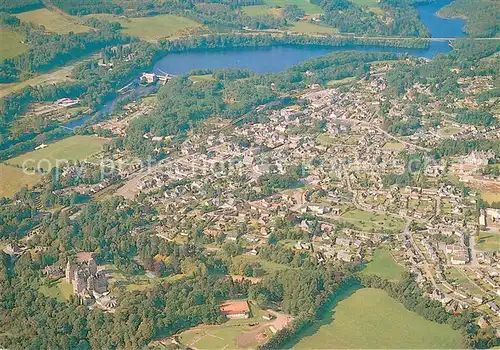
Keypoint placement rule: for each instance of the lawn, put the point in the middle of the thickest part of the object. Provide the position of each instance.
(14, 179)
(154, 28)
(72, 148)
(384, 266)
(311, 28)
(213, 337)
(366, 3)
(371, 319)
(340, 82)
(488, 241)
(59, 289)
(369, 221)
(53, 21)
(259, 10)
(11, 45)
(448, 131)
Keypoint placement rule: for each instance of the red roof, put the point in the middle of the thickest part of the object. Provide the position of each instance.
(234, 307)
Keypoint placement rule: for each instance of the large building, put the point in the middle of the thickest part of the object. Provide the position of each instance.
(85, 279)
(235, 309)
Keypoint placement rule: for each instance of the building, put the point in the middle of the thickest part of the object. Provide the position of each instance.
(85, 279)
(235, 309)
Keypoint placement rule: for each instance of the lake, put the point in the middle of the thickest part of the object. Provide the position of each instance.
(277, 58)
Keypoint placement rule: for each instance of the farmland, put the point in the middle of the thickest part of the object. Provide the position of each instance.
(53, 21)
(311, 28)
(11, 44)
(384, 266)
(259, 10)
(154, 28)
(72, 148)
(370, 319)
(14, 179)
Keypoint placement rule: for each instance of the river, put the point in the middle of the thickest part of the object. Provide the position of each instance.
(278, 58)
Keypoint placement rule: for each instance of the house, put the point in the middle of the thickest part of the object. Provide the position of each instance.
(235, 309)
(149, 78)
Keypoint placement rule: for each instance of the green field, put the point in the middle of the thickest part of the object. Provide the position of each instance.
(268, 266)
(384, 266)
(371, 319)
(311, 28)
(14, 179)
(369, 221)
(59, 289)
(53, 21)
(10, 44)
(488, 241)
(272, 7)
(366, 3)
(73, 148)
(154, 28)
(218, 337)
(340, 82)
(309, 8)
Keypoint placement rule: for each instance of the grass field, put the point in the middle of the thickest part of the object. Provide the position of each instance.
(311, 28)
(384, 266)
(53, 21)
(369, 221)
(14, 179)
(59, 289)
(448, 131)
(268, 266)
(371, 319)
(259, 10)
(340, 82)
(366, 3)
(488, 241)
(309, 8)
(218, 337)
(73, 148)
(10, 44)
(154, 28)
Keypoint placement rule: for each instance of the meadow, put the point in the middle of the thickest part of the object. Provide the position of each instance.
(369, 221)
(273, 7)
(53, 21)
(11, 45)
(268, 266)
(14, 179)
(394, 146)
(384, 266)
(366, 3)
(311, 28)
(59, 289)
(488, 241)
(156, 27)
(370, 319)
(72, 148)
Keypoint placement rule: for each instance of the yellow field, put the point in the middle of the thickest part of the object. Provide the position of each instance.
(13, 179)
(154, 28)
(10, 44)
(490, 197)
(311, 28)
(53, 21)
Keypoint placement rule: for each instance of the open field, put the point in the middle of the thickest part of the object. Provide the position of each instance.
(448, 131)
(371, 319)
(10, 44)
(384, 266)
(309, 8)
(259, 10)
(311, 28)
(59, 289)
(369, 221)
(218, 337)
(154, 28)
(72, 148)
(14, 179)
(268, 266)
(488, 241)
(490, 197)
(53, 21)
(394, 146)
(340, 82)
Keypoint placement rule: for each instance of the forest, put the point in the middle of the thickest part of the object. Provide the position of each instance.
(482, 16)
